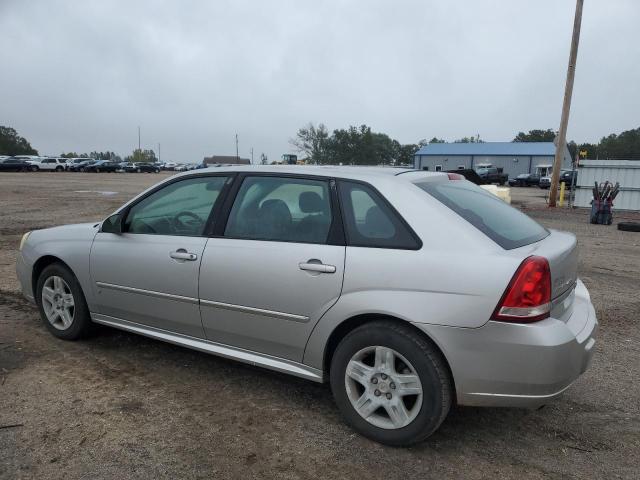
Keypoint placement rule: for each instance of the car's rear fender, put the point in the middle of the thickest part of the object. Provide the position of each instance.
(439, 288)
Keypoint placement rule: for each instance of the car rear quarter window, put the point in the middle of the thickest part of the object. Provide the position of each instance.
(370, 221)
(502, 223)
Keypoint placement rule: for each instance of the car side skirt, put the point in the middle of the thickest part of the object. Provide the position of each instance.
(206, 346)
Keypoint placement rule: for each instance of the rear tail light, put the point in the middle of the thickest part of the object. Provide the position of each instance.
(528, 297)
(455, 176)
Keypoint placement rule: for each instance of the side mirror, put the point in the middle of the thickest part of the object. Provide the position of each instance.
(113, 224)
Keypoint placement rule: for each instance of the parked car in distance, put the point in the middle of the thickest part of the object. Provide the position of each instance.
(142, 167)
(490, 175)
(569, 177)
(14, 165)
(525, 180)
(545, 182)
(408, 291)
(180, 168)
(169, 166)
(565, 176)
(74, 161)
(102, 166)
(53, 164)
(81, 166)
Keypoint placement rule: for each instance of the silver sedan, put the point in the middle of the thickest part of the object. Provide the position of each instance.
(406, 290)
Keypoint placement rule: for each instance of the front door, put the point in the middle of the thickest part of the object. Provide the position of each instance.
(149, 273)
(273, 273)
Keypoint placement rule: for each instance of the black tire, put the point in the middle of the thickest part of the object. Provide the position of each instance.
(81, 324)
(138, 170)
(97, 170)
(428, 363)
(156, 171)
(34, 168)
(629, 226)
(59, 169)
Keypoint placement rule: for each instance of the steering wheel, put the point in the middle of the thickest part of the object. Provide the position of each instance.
(191, 221)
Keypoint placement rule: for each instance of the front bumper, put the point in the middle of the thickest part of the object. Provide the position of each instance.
(23, 272)
(517, 365)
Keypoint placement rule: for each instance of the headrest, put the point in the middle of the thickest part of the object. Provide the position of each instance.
(310, 202)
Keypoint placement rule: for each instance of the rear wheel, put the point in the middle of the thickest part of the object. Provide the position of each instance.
(61, 303)
(97, 170)
(59, 168)
(138, 170)
(390, 384)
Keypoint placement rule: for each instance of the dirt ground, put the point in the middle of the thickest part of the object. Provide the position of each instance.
(123, 406)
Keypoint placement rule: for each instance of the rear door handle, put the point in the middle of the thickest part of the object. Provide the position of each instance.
(317, 266)
(182, 254)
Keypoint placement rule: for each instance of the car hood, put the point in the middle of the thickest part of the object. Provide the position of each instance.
(73, 232)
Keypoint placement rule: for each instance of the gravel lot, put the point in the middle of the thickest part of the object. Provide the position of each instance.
(123, 406)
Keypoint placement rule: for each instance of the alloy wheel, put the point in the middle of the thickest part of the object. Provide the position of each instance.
(58, 302)
(383, 387)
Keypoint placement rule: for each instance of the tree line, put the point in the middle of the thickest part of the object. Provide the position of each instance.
(362, 146)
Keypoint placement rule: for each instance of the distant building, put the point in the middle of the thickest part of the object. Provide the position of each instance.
(513, 157)
(225, 159)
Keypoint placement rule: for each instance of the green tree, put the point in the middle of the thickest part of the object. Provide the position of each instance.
(547, 135)
(475, 139)
(407, 153)
(13, 144)
(139, 155)
(434, 140)
(626, 145)
(313, 141)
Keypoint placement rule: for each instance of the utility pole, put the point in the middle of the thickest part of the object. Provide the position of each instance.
(138, 137)
(251, 155)
(566, 105)
(158, 152)
(237, 156)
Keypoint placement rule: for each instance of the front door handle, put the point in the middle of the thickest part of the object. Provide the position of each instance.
(182, 254)
(314, 265)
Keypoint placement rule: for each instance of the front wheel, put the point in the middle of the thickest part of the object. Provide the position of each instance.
(59, 169)
(391, 384)
(61, 303)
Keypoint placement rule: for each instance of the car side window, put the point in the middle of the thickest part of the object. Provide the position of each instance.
(370, 222)
(180, 208)
(281, 209)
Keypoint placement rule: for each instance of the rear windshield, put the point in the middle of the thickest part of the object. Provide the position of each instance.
(503, 224)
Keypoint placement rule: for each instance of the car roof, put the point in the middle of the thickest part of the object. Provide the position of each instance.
(354, 172)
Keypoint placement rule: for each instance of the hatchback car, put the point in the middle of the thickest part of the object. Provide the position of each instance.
(406, 290)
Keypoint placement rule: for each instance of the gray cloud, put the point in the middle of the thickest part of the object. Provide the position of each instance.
(82, 75)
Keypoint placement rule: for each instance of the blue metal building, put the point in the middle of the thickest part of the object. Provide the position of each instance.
(513, 157)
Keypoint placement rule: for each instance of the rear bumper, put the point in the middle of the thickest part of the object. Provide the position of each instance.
(502, 364)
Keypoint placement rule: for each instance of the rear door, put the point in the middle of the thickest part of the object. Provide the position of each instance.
(149, 273)
(277, 266)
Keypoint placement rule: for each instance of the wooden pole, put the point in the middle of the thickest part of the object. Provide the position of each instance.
(566, 106)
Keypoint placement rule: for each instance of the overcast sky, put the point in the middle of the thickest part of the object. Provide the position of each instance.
(82, 75)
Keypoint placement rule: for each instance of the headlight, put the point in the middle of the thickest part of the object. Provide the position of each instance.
(23, 240)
